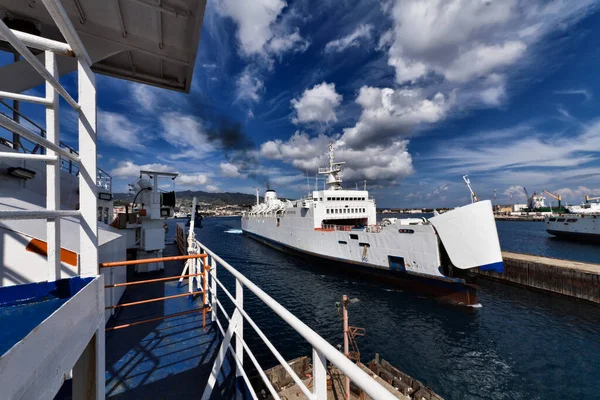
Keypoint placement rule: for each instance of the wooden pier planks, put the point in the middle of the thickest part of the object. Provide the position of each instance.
(571, 278)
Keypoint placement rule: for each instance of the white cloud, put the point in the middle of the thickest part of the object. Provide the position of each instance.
(389, 114)
(187, 133)
(362, 32)
(462, 40)
(249, 86)
(317, 104)
(261, 31)
(494, 90)
(212, 189)
(286, 43)
(145, 95)
(230, 170)
(192, 179)
(578, 194)
(128, 169)
(582, 92)
(373, 162)
(119, 130)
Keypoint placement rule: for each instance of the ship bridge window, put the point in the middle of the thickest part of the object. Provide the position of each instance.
(552, 219)
(560, 220)
(405, 231)
(572, 220)
(353, 236)
(364, 244)
(342, 242)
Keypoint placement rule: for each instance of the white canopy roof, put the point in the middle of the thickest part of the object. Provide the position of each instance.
(148, 41)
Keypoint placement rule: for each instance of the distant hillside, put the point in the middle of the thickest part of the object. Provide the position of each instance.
(204, 197)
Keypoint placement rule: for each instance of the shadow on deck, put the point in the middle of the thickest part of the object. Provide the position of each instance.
(168, 358)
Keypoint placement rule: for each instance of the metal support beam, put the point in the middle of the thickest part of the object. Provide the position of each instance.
(26, 156)
(41, 43)
(23, 97)
(60, 17)
(88, 199)
(52, 174)
(120, 18)
(319, 375)
(10, 37)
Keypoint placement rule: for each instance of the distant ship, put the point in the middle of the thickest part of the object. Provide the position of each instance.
(340, 225)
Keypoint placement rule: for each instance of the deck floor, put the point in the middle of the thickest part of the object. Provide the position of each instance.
(167, 358)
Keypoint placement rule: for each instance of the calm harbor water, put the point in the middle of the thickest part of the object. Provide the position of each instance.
(519, 344)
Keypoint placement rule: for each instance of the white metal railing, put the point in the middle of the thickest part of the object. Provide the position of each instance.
(86, 159)
(233, 336)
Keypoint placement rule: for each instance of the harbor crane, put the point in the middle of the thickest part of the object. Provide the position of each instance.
(554, 196)
(588, 198)
(474, 197)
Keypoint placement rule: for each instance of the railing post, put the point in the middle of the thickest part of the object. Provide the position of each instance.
(88, 200)
(239, 331)
(213, 289)
(52, 174)
(319, 375)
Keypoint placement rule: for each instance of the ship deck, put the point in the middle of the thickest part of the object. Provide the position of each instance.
(24, 307)
(168, 358)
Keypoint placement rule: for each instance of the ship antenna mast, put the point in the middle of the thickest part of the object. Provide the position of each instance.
(333, 171)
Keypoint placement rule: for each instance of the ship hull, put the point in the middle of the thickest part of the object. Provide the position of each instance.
(446, 289)
(573, 227)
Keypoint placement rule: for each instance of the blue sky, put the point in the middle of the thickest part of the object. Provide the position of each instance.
(413, 94)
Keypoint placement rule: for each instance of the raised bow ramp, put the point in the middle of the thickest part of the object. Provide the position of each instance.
(470, 237)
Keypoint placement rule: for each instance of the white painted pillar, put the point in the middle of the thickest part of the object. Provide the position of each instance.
(88, 200)
(319, 375)
(52, 173)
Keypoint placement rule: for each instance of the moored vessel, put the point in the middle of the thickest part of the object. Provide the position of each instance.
(339, 226)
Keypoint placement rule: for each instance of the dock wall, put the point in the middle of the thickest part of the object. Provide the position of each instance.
(571, 278)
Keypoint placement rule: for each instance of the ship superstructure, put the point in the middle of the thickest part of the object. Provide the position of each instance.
(340, 225)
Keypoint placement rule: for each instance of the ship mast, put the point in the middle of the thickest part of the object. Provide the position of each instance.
(333, 172)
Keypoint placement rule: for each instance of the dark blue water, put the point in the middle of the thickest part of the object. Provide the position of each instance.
(519, 344)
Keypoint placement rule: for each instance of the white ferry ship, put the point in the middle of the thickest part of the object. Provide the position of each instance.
(340, 225)
(584, 227)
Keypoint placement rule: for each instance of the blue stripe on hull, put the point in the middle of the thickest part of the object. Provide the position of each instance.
(494, 267)
(455, 290)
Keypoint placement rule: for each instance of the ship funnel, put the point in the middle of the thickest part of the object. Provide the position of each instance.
(270, 196)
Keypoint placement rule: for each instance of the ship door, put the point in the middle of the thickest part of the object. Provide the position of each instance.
(396, 263)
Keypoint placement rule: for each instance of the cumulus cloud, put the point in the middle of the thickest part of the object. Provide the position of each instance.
(463, 41)
(317, 104)
(119, 130)
(230, 170)
(517, 193)
(577, 194)
(187, 133)
(249, 86)
(375, 162)
(212, 188)
(128, 169)
(354, 39)
(192, 179)
(388, 114)
(261, 31)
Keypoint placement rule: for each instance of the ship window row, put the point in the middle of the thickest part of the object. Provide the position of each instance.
(346, 199)
(344, 210)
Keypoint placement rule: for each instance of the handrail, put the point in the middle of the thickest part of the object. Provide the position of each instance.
(321, 347)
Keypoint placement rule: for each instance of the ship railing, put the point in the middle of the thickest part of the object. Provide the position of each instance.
(234, 343)
(22, 145)
(93, 367)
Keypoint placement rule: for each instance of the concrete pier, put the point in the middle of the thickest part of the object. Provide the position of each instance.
(571, 278)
